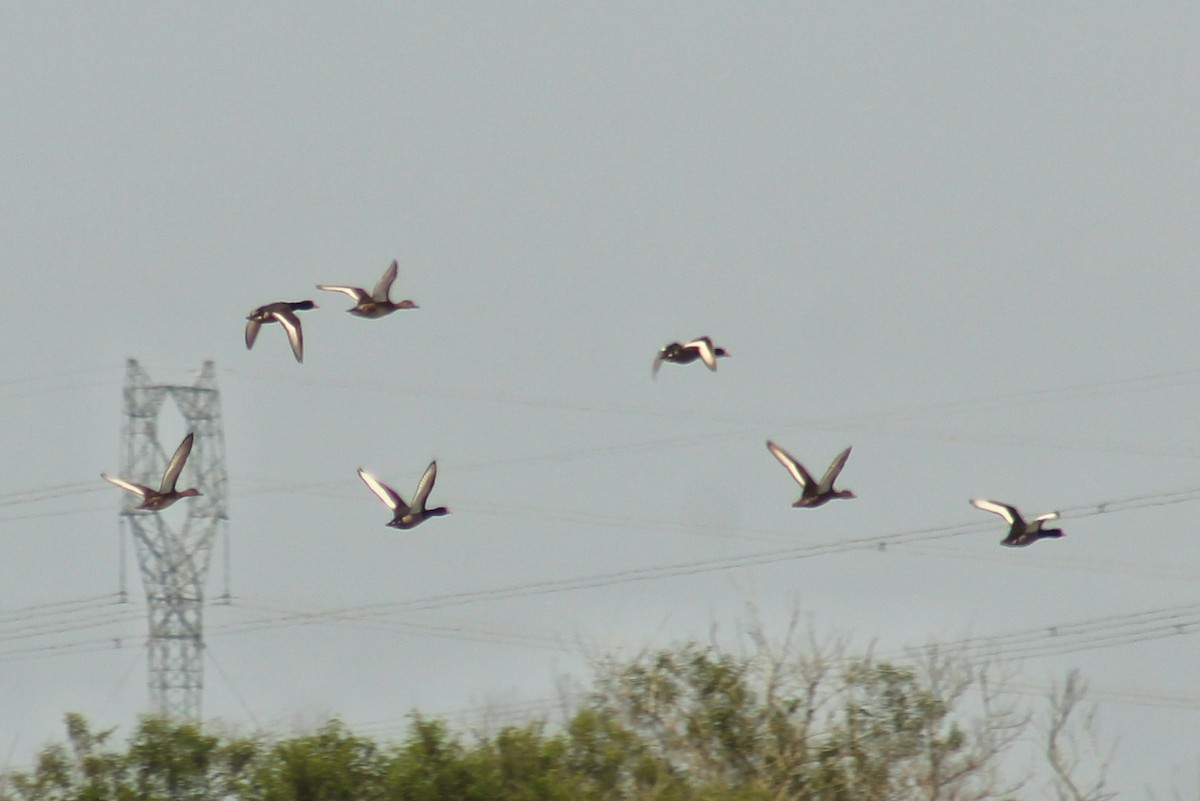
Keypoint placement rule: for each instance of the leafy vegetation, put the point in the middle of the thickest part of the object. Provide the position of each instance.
(691, 723)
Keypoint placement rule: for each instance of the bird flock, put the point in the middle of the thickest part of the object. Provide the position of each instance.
(405, 515)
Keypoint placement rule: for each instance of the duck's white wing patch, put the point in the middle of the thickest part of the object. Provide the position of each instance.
(1009, 513)
(795, 468)
(1047, 516)
(129, 486)
(389, 496)
(175, 466)
(834, 469)
(704, 347)
(425, 486)
(252, 327)
(384, 287)
(358, 293)
(291, 324)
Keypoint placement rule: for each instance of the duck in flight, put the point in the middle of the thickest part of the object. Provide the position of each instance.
(406, 515)
(701, 348)
(1020, 533)
(376, 303)
(284, 313)
(813, 493)
(156, 500)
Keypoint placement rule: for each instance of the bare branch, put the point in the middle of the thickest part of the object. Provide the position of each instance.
(1064, 750)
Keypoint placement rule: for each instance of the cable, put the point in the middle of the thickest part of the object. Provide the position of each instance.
(1040, 395)
(50, 606)
(1175, 572)
(280, 618)
(793, 553)
(5, 392)
(233, 689)
(58, 513)
(1058, 639)
(41, 629)
(53, 492)
(76, 647)
(376, 610)
(373, 612)
(22, 629)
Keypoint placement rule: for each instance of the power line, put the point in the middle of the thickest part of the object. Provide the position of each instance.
(1083, 635)
(24, 631)
(1112, 567)
(54, 492)
(10, 388)
(94, 620)
(1033, 396)
(862, 420)
(94, 645)
(56, 513)
(52, 607)
(379, 613)
(1100, 632)
(792, 553)
(1114, 386)
(444, 600)
(233, 689)
(282, 618)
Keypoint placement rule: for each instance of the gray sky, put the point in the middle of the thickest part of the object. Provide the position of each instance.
(958, 237)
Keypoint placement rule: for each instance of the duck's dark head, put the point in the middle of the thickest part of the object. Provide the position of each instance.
(844, 494)
(437, 511)
(407, 304)
(1051, 532)
(718, 352)
(302, 305)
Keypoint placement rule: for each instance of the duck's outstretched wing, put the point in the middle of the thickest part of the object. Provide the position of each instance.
(389, 496)
(252, 327)
(1009, 513)
(704, 346)
(291, 323)
(1046, 517)
(356, 292)
(658, 360)
(128, 486)
(175, 466)
(797, 470)
(425, 486)
(835, 468)
(384, 287)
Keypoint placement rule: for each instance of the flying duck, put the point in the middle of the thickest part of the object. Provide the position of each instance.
(284, 313)
(406, 515)
(158, 499)
(375, 304)
(700, 348)
(1020, 533)
(813, 494)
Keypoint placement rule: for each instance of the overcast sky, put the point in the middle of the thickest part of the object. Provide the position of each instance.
(960, 237)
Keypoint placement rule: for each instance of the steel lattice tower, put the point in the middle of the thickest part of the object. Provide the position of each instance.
(174, 565)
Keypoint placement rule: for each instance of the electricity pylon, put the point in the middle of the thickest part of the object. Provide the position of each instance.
(174, 564)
